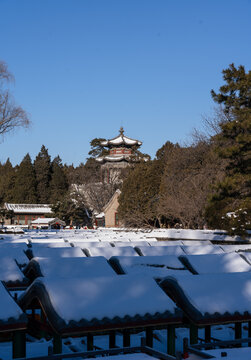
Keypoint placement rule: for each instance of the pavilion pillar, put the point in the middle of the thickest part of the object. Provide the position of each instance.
(126, 338)
(171, 340)
(112, 339)
(193, 334)
(207, 333)
(57, 344)
(89, 342)
(149, 337)
(19, 344)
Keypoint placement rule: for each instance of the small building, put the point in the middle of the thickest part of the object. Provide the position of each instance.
(111, 211)
(47, 223)
(121, 153)
(24, 214)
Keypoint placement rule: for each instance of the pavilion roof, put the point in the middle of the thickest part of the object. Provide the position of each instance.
(211, 298)
(121, 139)
(79, 305)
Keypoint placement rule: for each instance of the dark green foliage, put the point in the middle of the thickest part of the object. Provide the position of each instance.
(96, 148)
(58, 183)
(7, 181)
(233, 194)
(165, 150)
(140, 195)
(72, 210)
(24, 191)
(42, 166)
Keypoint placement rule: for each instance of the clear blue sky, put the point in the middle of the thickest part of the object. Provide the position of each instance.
(83, 68)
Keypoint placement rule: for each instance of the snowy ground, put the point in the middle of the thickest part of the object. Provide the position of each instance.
(118, 243)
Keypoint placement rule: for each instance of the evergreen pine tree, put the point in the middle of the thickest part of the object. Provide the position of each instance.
(58, 184)
(42, 166)
(230, 205)
(7, 180)
(25, 183)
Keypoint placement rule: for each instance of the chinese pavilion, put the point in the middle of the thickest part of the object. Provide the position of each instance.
(121, 150)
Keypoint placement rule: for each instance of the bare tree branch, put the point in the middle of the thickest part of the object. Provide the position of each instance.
(12, 116)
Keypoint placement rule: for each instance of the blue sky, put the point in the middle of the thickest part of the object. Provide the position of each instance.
(83, 68)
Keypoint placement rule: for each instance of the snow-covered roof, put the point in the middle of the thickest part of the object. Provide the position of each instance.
(110, 251)
(102, 301)
(113, 158)
(121, 139)
(203, 249)
(73, 267)
(47, 221)
(10, 312)
(155, 266)
(100, 215)
(91, 244)
(29, 208)
(9, 271)
(64, 252)
(160, 250)
(215, 263)
(212, 298)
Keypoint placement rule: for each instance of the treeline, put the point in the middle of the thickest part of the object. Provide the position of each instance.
(205, 184)
(73, 192)
(42, 181)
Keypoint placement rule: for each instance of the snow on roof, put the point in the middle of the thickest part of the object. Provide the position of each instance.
(108, 252)
(100, 216)
(45, 244)
(246, 255)
(69, 267)
(102, 300)
(10, 312)
(157, 266)
(131, 243)
(189, 234)
(113, 158)
(121, 139)
(204, 249)
(215, 263)
(91, 244)
(29, 208)
(47, 221)
(164, 243)
(9, 270)
(212, 297)
(15, 251)
(232, 248)
(64, 252)
(160, 250)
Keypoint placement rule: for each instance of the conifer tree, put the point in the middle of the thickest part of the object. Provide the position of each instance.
(140, 195)
(58, 184)
(7, 180)
(42, 166)
(25, 183)
(230, 205)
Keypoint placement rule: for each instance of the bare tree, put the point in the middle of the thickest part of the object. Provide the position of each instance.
(187, 182)
(11, 115)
